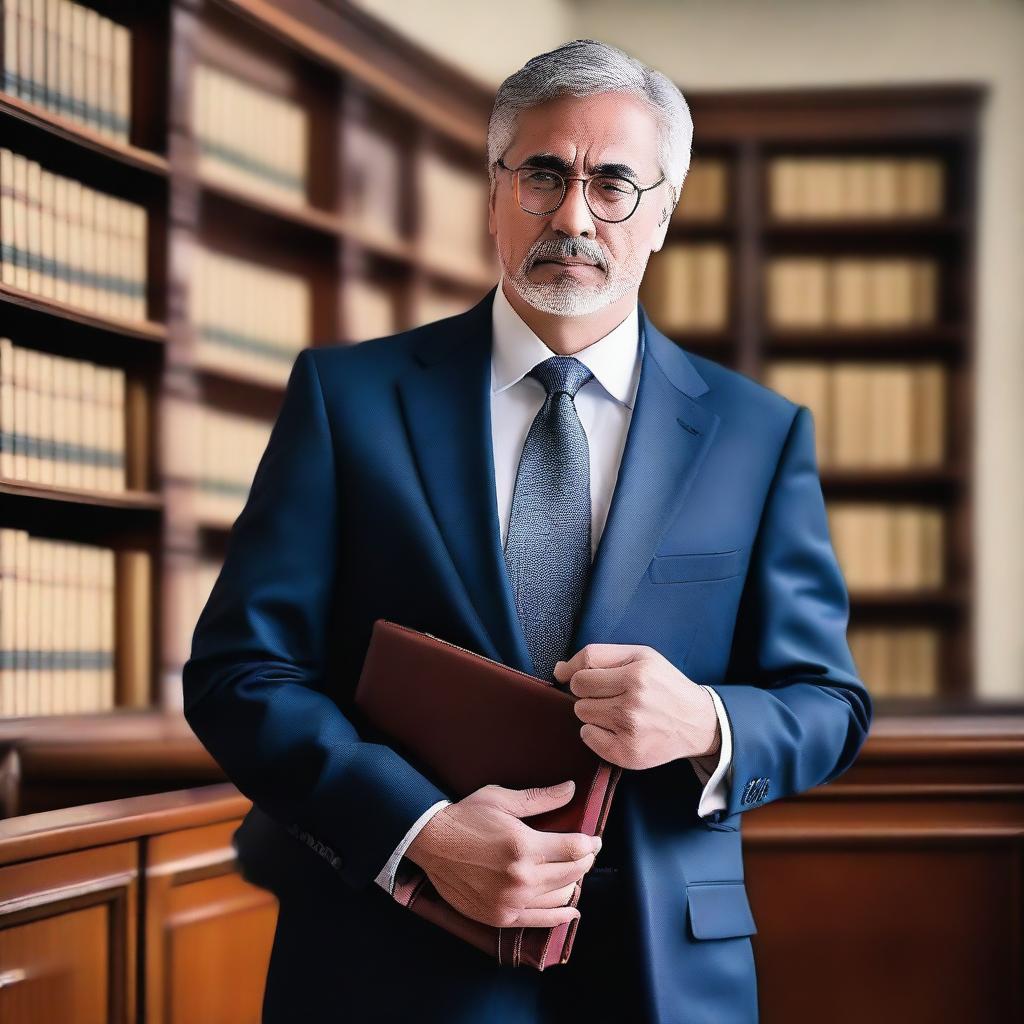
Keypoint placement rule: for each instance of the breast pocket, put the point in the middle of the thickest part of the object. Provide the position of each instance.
(696, 567)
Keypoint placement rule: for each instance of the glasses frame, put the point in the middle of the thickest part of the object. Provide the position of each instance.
(586, 179)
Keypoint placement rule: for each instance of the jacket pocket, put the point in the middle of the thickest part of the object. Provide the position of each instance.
(709, 565)
(719, 910)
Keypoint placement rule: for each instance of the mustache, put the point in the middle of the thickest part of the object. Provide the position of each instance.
(568, 249)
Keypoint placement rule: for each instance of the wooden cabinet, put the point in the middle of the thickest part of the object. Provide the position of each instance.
(204, 926)
(68, 936)
(132, 910)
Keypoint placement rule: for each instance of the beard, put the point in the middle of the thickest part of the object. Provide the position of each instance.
(566, 295)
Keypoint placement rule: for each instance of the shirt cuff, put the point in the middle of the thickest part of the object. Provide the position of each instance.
(386, 878)
(716, 779)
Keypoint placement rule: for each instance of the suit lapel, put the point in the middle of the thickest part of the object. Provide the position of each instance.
(447, 404)
(668, 438)
(446, 400)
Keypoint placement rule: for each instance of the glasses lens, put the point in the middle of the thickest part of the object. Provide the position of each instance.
(539, 191)
(611, 198)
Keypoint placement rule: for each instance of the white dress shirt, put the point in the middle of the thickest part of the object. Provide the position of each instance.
(604, 405)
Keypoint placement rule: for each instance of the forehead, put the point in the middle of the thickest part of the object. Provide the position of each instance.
(587, 130)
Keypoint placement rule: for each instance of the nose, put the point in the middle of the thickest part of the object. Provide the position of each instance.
(573, 217)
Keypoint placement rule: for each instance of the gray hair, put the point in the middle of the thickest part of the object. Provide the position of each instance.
(585, 67)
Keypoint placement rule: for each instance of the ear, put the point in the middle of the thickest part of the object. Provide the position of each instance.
(492, 217)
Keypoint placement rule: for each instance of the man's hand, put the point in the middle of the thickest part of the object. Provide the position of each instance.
(639, 710)
(492, 867)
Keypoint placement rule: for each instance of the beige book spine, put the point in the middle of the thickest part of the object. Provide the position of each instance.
(47, 235)
(33, 471)
(88, 424)
(7, 426)
(8, 241)
(21, 612)
(7, 622)
(79, 62)
(47, 401)
(34, 228)
(122, 65)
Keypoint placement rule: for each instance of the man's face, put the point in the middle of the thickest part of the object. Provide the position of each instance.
(609, 128)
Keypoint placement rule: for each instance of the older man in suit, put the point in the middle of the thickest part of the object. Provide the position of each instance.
(550, 481)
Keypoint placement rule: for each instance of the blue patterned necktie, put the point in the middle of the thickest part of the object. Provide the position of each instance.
(547, 547)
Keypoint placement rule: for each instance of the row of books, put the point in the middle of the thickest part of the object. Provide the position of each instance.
(71, 60)
(854, 186)
(62, 420)
(62, 240)
(452, 203)
(869, 414)
(187, 583)
(846, 291)
(896, 661)
(705, 191)
(371, 307)
(373, 165)
(212, 459)
(57, 625)
(250, 138)
(686, 287)
(888, 545)
(248, 319)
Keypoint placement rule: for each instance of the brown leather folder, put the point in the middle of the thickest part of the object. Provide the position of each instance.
(467, 721)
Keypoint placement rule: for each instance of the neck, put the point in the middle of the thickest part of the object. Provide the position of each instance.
(568, 335)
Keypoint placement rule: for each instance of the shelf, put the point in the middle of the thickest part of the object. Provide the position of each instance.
(134, 501)
(80, 135)
(940, 341)
(943, 600)
(813, 230)
(141, 330)
(896, 483)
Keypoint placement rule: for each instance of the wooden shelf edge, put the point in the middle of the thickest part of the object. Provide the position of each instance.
(46, 833)
(142, 501)
(142, 330)
(80, 135)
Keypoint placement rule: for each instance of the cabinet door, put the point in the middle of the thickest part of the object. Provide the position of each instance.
(67, 937)
(209, 932)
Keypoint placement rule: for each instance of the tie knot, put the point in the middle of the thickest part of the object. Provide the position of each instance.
(561, 373)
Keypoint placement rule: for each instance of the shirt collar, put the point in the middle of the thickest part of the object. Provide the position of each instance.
(614, 359)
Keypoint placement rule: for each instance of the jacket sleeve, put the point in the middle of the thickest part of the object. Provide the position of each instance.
(798, 712)
(254, 687)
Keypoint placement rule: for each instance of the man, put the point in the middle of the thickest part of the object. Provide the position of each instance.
(550, 481)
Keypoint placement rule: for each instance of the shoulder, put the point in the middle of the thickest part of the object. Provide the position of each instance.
(377, 359)
(745, 401)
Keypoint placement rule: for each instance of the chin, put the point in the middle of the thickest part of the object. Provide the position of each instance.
(567, 297)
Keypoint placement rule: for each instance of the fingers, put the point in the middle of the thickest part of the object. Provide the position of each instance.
(546, 918)
(550, 877)
(555, 898)
(562, 847)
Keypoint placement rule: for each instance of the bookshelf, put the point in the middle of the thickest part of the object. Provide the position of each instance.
(829, 246)
(340, 228)
(250, 140)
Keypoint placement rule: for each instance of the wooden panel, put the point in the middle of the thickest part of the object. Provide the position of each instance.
(218, 928)
(67, 937)
(204, 924)
(57, 968)
(895, 892)
(923, 930)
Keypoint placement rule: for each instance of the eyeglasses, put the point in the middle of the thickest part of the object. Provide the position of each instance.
(609, 198)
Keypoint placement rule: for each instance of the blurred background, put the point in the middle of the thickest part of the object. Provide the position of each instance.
(192, 191)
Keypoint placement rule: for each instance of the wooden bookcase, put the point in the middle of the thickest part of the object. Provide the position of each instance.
(344, 69)
(347, 69)
(745, 131)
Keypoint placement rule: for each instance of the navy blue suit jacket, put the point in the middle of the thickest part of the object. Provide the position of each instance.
(375, 498)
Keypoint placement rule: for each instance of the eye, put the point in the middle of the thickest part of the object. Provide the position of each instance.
(541, 179)
(614, 186)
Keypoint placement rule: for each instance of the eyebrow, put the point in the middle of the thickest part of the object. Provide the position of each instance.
(551, 162)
